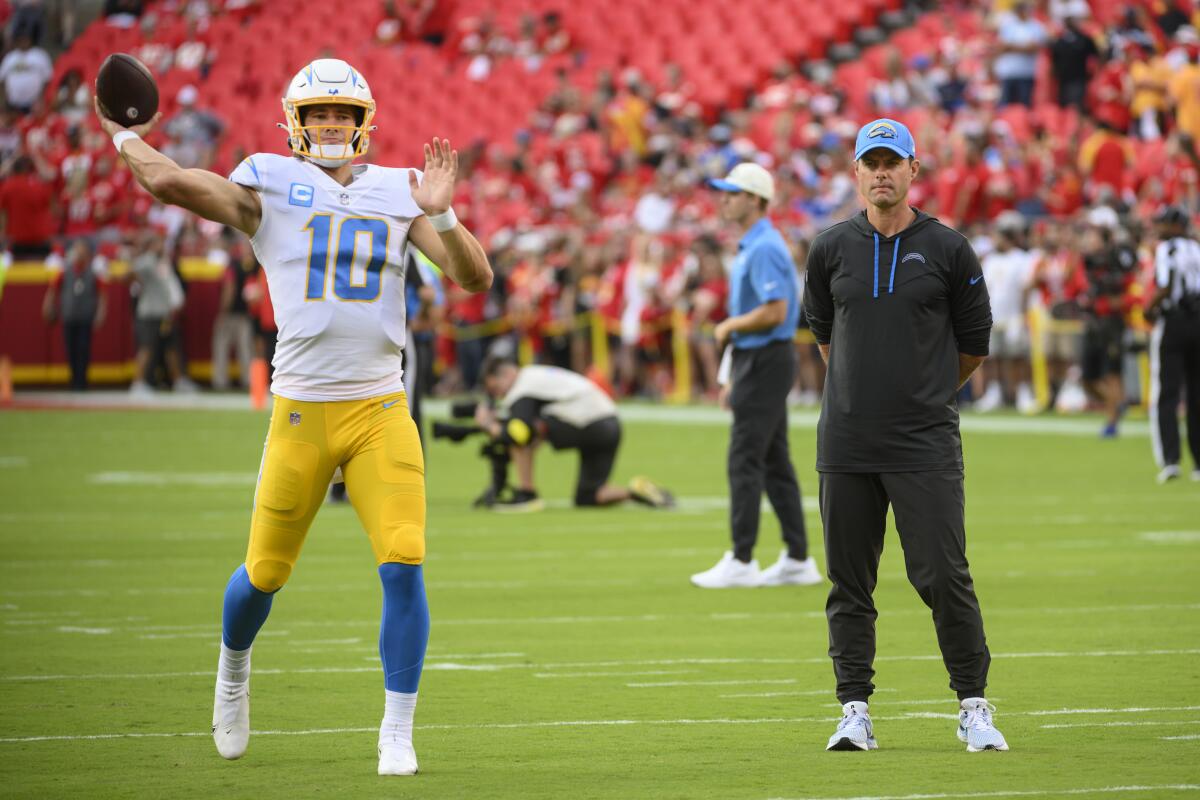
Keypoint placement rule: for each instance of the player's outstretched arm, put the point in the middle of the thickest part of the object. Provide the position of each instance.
(454, 250)
(197, 190)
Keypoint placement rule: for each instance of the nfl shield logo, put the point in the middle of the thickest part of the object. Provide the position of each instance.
(294, 417)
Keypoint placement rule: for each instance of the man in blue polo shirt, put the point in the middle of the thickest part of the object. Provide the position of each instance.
(764, 307)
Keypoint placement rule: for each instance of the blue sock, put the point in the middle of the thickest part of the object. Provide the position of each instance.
(245, 611)
(404, 631)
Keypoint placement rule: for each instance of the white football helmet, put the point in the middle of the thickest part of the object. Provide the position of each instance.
(328, 81)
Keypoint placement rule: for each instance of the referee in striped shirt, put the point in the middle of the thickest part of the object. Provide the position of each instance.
(1175, 343)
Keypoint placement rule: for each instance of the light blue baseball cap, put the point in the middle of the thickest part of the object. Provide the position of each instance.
(885, 133)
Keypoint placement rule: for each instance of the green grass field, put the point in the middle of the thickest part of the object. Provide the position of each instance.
(569, 655)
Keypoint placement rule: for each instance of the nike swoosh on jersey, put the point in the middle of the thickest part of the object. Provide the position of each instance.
(387, 404)
(975, 280)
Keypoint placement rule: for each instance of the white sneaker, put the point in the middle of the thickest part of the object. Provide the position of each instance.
(1072, 399)
(1169, 473)
(231, 718)
(790, 572)
(1026, 400)
(854, 732)
(141, 389)
(397, 758)
(975, 726)
(728, 573)
(991, 400)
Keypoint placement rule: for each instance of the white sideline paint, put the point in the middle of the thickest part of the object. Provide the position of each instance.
(633, 663)
(689, 505)
(1123, 724)
(1170, 537)
(213, 629)
(1180, 738)
(807, 420)
(1162, 787)
(612, 674)
(661, 684)
(435, 654)
(809, 693)
(453, 666)
(498, 726)
(631, 412)
(1131, 710)
(173, 478)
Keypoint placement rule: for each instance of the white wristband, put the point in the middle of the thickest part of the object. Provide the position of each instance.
(122, 137)
(446, 221)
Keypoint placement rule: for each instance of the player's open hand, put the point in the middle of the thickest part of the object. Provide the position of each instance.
(436, 189)
(113, 128)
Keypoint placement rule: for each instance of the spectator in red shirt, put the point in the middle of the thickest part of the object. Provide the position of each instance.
(27, 210)
(1105, 158)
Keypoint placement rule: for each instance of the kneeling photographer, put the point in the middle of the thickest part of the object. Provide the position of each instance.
(541, 403)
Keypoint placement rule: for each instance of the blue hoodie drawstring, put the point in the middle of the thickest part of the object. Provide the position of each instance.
(875, 293)
(892, 277)
(895, 252)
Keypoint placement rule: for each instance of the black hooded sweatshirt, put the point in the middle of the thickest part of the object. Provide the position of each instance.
(896, 312)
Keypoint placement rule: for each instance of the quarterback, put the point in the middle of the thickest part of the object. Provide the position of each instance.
(331, 236)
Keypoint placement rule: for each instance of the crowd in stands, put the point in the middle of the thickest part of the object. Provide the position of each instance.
(1039, 125)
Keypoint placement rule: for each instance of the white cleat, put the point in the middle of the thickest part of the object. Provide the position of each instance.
(790, 572)
(1169, 473)
(729, 573)
(854, 732)
(975, 726)
(397, 758)
(231, 718)
(1196, 475)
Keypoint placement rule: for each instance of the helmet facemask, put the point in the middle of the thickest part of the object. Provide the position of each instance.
(305, 139)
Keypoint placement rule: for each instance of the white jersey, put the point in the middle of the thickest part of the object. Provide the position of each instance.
(564, 395)
(1007, 274)
(334, 260)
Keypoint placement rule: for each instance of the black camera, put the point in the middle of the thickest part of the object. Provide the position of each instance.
(460, 409)
(496, 452)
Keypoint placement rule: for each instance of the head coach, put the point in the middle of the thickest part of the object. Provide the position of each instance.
(764, 307)
(897, 303)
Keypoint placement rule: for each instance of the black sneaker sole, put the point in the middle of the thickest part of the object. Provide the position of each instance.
(847, 745)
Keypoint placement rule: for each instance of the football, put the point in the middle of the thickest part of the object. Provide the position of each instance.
(126, 90)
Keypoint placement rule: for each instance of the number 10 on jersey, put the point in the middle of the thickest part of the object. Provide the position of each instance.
(349, 230)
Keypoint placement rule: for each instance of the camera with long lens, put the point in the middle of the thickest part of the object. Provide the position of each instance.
(460, 409)
(496, 452)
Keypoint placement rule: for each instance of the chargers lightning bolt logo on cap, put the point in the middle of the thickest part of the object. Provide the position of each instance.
(882, 131)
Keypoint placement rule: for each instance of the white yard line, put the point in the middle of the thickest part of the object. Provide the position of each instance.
(1170, 537)
(506, 726)
(694, 415)
(662, 684)
(203, 479)
(212, 627)
(1180, 738)
(635, 663)
(1122, 724)
(1161, 787)
(612, 674)
(807, 693)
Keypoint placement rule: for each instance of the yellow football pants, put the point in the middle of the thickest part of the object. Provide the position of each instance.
(375, 443)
